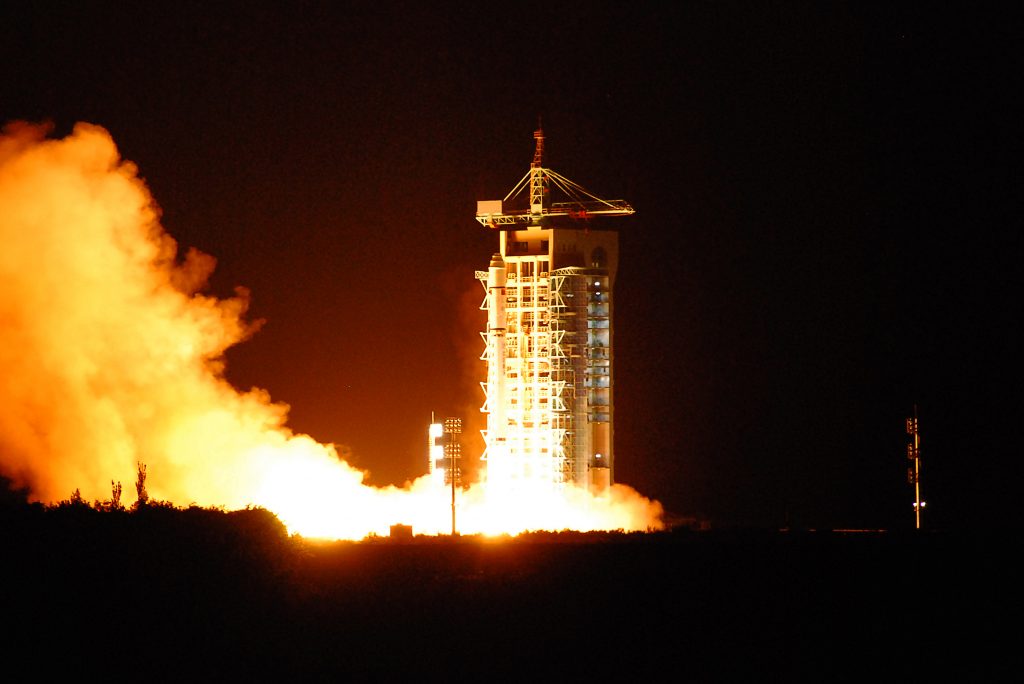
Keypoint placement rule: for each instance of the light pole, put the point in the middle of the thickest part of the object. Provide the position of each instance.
(914, 472)
(453, 454)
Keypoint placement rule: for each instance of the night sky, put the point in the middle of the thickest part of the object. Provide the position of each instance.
(823, 236)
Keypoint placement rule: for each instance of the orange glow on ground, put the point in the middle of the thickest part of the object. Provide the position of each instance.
(111, 354)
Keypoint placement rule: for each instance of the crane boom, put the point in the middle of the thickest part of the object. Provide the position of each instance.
(579, 204)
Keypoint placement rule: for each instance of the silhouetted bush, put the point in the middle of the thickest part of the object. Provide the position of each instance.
(182, 591)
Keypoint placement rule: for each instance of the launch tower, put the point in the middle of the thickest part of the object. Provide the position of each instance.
(549, 333)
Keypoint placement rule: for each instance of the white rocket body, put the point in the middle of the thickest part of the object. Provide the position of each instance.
(497, 422)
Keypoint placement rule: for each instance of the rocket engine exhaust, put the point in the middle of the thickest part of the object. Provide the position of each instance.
(111, 354)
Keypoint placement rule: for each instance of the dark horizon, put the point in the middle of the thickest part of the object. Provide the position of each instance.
(822, 239)
(168, 591)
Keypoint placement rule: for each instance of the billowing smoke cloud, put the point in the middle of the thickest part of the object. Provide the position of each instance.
(108, 353)
(111, 354)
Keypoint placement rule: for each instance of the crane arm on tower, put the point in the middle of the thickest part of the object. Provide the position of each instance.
(494, 213)
(576, 201)
(579, 203)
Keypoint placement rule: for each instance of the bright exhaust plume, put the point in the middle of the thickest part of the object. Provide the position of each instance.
(111, 354)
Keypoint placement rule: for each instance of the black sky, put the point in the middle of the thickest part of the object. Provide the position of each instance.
(823, 233)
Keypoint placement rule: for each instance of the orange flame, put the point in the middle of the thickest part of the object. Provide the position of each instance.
(110, 354)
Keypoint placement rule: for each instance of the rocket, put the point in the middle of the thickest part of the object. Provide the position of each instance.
(497, 423)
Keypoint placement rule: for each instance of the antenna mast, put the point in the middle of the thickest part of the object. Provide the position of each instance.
(538, 184)
(914, 473)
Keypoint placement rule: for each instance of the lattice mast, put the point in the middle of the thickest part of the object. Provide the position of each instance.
(538, 181)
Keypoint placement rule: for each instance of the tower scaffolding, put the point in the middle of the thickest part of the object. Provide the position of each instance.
(548, 343)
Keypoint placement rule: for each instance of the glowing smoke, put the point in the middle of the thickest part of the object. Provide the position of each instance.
(110, 354)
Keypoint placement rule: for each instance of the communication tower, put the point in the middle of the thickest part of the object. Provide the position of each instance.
(549, 336)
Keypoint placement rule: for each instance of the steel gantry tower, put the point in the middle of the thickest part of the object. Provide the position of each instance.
(548, 343)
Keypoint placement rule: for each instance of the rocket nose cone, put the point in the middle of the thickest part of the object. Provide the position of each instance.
(497, 261)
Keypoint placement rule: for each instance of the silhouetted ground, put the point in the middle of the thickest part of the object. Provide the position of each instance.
(167, 593)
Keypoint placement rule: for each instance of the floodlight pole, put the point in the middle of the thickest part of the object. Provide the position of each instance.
(453, 504)
(914, 474)
(453, 452)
